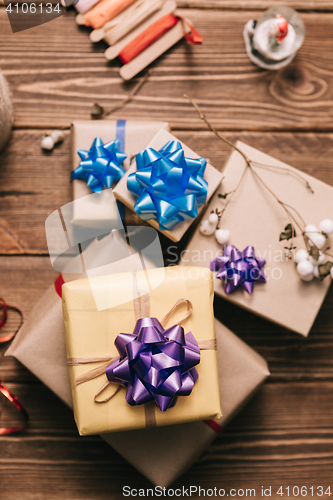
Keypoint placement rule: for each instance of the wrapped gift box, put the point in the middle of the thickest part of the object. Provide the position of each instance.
(163, 454)
(255, 218)
(96, 310)
(212, 176)
(40, 346)
(133, 137)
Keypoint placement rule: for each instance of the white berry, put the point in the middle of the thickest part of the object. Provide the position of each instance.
(206, 228)
(57, 136)
(213, 219)
(304, 268)
(326, 226)
(311, 228)
(317, 239)
(222, 236)
(47, 143)
(301, 254)
(307, 277)
(316, 272)
(319, 261)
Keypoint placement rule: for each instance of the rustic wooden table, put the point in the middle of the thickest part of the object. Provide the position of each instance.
(284, 435)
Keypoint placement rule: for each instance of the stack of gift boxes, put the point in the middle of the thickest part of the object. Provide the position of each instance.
(132, 345)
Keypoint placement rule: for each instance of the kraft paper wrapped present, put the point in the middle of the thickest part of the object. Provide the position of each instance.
(254, 218)
(40, 346)
(163, 454)
(133, 136)
(212, 176)
(96, 310)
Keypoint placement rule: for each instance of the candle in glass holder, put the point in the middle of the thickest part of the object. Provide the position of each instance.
(272, 42)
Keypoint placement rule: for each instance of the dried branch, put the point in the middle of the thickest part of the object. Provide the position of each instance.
(99, 112)
(290, 211)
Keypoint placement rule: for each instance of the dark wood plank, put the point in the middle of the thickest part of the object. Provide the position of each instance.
(34, 183)
(317, 5)
(55, 82)
(283, 436)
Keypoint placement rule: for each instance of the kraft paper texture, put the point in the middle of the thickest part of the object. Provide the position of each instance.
(160, 454)
(212, 176)
(91, 331)
(255, 218)
(137, 135)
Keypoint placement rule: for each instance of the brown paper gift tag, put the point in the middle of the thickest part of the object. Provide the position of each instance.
(212, 176)
(255, 218)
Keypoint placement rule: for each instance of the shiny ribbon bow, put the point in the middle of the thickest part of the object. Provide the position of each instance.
(170, 187)
(239, 269)
(101, 165)
(155, 364)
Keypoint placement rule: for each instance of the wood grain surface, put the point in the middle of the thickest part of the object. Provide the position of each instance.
(57, 74)
(284, 436)
(317, 5)
(283, 446)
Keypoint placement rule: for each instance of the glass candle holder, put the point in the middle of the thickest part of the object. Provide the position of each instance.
(273, 41)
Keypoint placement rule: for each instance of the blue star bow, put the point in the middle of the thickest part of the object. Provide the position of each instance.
(101, 165)
(169, 186)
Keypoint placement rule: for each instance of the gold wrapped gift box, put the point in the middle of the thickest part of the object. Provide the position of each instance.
(96, 310)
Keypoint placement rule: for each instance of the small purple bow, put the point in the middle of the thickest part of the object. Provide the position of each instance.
(239, 269)
(155, 364)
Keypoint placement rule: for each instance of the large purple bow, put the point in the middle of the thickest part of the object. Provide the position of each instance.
(155, 364)
(239, 269)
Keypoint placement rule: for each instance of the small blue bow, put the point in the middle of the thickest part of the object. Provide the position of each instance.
(101, 165)
(170, 187)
